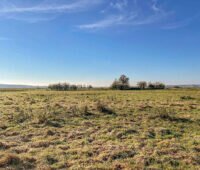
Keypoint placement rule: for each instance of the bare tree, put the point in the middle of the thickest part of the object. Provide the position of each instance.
(121, 84)
(124, 80)
(142, 84)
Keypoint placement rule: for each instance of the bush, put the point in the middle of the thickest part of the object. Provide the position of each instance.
(156, 85)
(142, 84)
(66, 87)
(73, 87)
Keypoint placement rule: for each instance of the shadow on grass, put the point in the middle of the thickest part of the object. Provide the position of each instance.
(170, 115)
(104, 109)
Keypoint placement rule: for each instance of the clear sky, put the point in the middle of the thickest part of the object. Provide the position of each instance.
(95, 41)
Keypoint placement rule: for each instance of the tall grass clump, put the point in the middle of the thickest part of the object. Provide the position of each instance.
(101, 107)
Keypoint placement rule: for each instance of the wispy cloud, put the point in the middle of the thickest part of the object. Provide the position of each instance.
(9, 8)
(129, 13)
(119, 4)
(31, 19)
(110, 21)
(113, 12)
(176, 25)
(155, 7)
(180, 23)
(44, 11)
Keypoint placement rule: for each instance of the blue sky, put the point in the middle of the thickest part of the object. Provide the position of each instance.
(95, 41)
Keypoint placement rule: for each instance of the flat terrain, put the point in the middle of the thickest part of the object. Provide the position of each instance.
(42, 129)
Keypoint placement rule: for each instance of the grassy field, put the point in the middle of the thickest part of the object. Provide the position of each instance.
(42, 129)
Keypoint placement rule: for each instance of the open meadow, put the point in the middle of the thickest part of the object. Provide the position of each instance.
(147, 129)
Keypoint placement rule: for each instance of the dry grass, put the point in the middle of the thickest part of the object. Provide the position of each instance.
(100, 129)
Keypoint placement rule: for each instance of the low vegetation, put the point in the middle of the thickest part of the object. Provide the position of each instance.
(119, 84)
(150, 129)
(68, 87)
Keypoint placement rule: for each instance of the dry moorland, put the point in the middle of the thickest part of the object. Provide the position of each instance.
(150, 129)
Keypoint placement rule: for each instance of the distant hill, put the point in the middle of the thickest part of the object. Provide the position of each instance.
(185, 86)
(15, 86)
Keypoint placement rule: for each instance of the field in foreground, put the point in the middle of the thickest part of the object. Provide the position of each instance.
(100, 129)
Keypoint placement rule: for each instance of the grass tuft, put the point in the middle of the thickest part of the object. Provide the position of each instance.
(104, 109)
(9, 160)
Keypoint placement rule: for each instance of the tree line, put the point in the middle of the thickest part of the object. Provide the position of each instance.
(67, 86)
(122, 83)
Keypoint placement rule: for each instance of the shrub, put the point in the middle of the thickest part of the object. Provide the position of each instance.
(151, 86)
(73, 87)
(66, 86)
(142, 84)
(156, 85)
